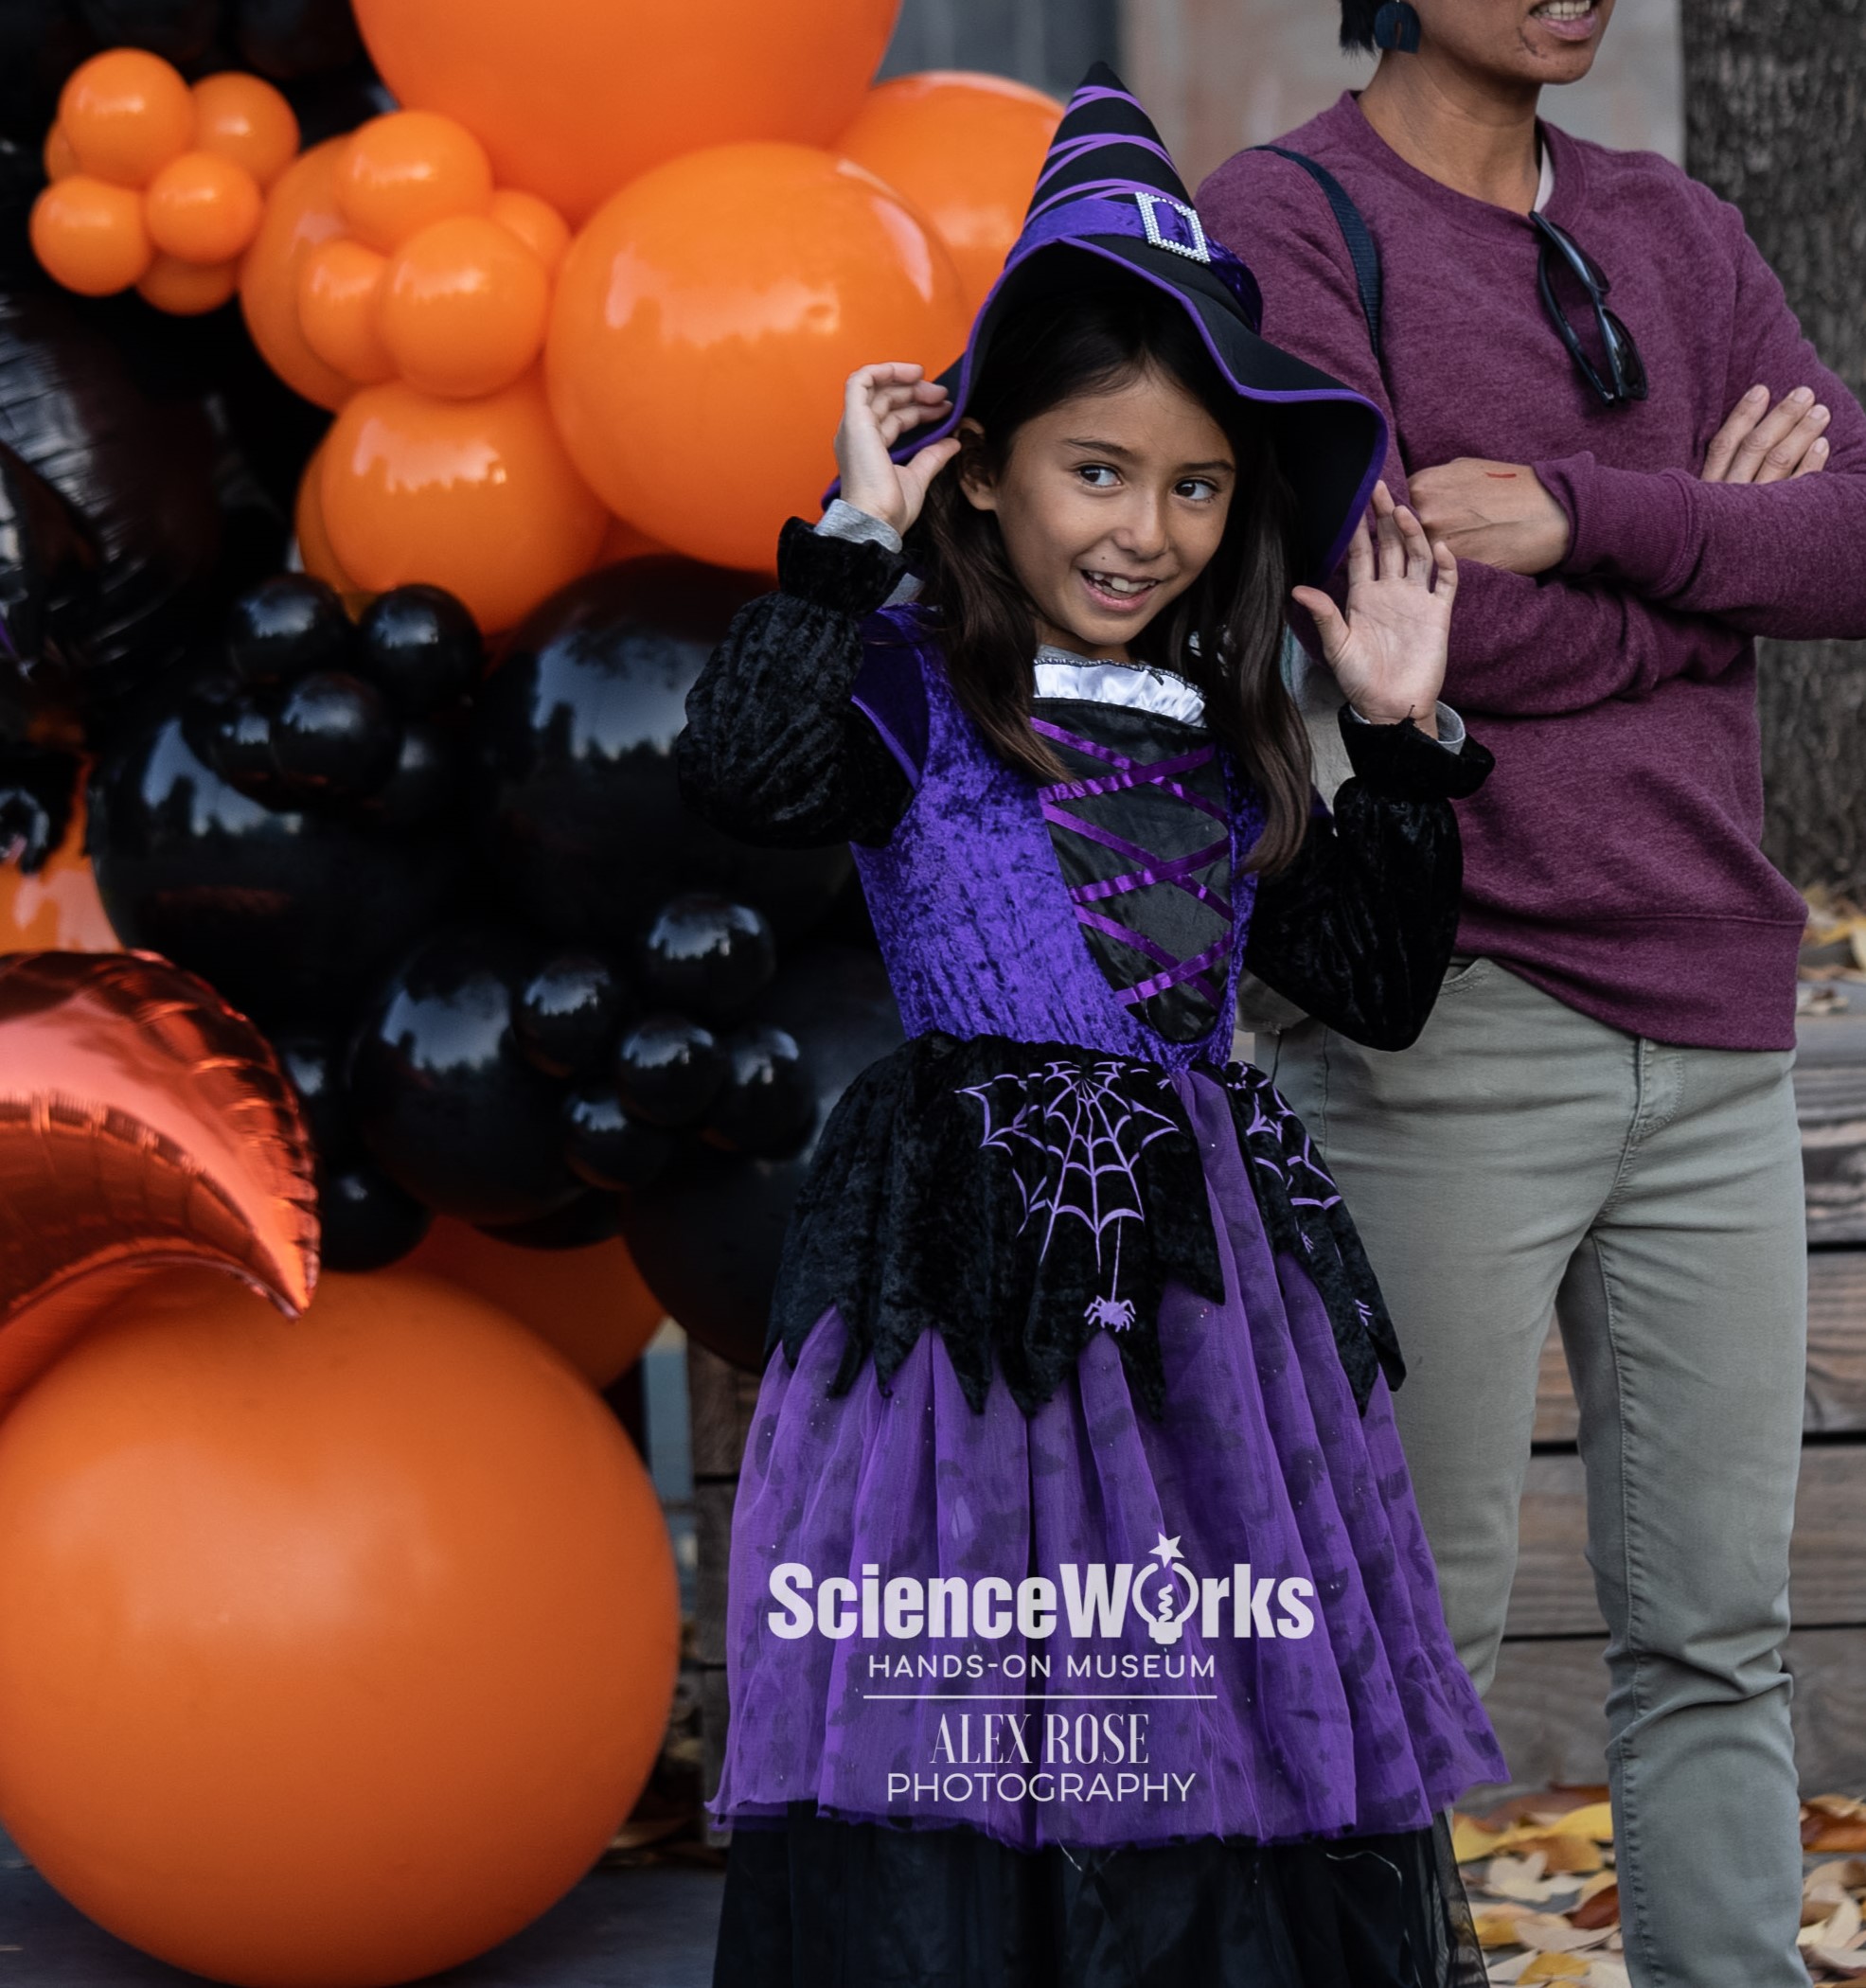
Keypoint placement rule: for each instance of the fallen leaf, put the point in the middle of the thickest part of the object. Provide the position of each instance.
(1836, 1804)
(1524, 1878)
(1496, 1929)
(1847, 1873)
(1597, 1883)
(1608, 1974)
(1563, 1853)
(1822, 1831)
(1600, 1909)
(1553, 1967)
(1596, 1819)
(1471, 1839)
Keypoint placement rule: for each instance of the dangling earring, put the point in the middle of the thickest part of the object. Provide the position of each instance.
(1397, 25)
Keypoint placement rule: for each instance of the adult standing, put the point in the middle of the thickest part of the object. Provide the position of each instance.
(1599, 1113)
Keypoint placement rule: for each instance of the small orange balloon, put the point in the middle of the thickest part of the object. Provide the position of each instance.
(706, 322)
(315, 553)
(203, 208)
(243, 119)
(475, 496)
(90, 236)
(56, 908)
(965, 151)
(126, 114)
(335, 1651)
(590, 1304)
(536, 223)
(59, 160)
(403, 171)
(340, 285)
(464, 308)
(301, 212)
(188, 289)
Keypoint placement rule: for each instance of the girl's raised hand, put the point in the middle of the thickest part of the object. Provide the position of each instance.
(880, 404)
(1388, 654)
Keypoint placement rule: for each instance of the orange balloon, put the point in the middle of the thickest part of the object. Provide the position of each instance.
(575, 97)
(340, 284)
(627, 542)
(126, 114)
(243, 119)
(590, 1304)
(301, 212)
(403, 171)
(464, 308)
(56, 907)
(188, 289)
(143, 1124)
(203, 208)
(314, 551)
(704, 324)
(334, 1652)
(59, 160)
(536, 223)
(475, 496)
(90, 235)
(965, 149)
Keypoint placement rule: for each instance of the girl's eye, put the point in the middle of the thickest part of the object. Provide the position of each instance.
(1094, 473)
(1200, 488)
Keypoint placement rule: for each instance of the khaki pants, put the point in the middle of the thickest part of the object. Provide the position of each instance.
(1521, 1155)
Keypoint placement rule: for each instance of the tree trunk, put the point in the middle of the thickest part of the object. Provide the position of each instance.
(1775, 120)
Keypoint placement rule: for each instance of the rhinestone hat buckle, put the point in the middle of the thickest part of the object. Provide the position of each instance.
(1196, 250)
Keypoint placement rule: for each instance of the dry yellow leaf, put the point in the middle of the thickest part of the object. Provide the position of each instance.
(1837, 1805)
(1496, 1929)
(1595, 1821)
(1471, 1839)
(1553, 1967)
(1565, 1853)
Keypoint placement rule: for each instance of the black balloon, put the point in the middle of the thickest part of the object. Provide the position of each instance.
(669, 1069)
(767, 1103)
(367, 1221)
(591, 1217)
(606, 1147)
(578, 724)
(47, 559)
(37, 786)
(421, 646)
(235, 735)
(292, 915)
(334, 734)
(285, 39)
(181, 31)
(445, 1103)
(426, 779)
(569, 1011)
(708, 1236)
(286, 627)
(315, 1063)
(705, 954)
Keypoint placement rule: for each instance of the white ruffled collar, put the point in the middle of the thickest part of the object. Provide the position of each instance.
(1141, 686)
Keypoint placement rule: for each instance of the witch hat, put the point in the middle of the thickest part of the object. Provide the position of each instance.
(1108, 188)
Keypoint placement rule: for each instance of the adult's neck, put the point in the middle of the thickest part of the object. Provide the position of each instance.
(1467, 132)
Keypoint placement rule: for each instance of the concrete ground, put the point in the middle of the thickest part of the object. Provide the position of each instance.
(645, 1927)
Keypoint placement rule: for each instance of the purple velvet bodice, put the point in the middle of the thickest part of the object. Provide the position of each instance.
(974, 912)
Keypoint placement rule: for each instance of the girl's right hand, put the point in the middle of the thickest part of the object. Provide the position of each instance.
(880, 404)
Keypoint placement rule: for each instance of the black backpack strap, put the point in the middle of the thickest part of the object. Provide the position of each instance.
(1362, 251)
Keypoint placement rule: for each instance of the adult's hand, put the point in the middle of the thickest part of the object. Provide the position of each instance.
(1496, 514)
(1764, 444)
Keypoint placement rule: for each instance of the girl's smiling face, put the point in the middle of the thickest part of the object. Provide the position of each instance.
(1111, 504)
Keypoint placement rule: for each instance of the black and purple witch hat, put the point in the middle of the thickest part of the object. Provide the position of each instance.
(1108, 188)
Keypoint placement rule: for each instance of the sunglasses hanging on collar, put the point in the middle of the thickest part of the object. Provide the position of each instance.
(1623, 380)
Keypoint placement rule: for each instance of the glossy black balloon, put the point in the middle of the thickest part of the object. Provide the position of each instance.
(569, 1011)
(46, 561)
(292, 916)
(427, 779)
(37, 787)
(707, 1237)
(334, 734)
(591, 1217)
(420, 647)
(768, 1102)
(445, 1103)
(285, 627)
(315, 1063)
(42, 42)
(669, 1069)
(706, 955)
(180, 31)
(367, 1221)
(608, 1147)
(285, 39)
(237, 743)
(588, 832)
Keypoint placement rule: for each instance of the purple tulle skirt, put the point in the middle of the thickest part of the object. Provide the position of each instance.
(1226, 1698)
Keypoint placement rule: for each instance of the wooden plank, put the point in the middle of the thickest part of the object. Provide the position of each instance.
(1835, 1402)
(1546, 1705)
(1554, 1594)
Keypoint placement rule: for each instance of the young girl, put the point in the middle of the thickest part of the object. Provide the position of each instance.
(1082, 1630)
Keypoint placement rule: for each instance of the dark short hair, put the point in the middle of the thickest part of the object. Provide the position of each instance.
(1358, 23)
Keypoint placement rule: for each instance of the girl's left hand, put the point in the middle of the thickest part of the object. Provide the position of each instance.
(1388, 654)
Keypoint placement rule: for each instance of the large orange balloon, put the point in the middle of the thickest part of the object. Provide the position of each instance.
(575, 98)
(301, 211)
(89, 235)
(56, 907)
(966, 151)
(464, 307)
(243, 119)
(536, 223)
(142, 1123)
(590, 1304)
(475, 496)
(704, 324)
(125, 114)
(315, 553)
(333, 1652)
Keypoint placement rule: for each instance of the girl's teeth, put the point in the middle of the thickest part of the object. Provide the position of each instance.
(1566, 9)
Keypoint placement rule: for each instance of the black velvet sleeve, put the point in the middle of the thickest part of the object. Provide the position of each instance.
(1358, 930)
(774, 752)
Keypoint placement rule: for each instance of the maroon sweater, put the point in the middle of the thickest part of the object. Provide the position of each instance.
(1613, 856)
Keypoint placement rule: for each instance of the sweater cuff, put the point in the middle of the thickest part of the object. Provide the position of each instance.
(847, 575)
(1406, 764)
(1632, 525)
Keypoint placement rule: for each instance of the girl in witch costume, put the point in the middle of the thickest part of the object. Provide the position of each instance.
(1081, 1627)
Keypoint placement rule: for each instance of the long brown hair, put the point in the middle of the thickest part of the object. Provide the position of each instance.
(1224, 632)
